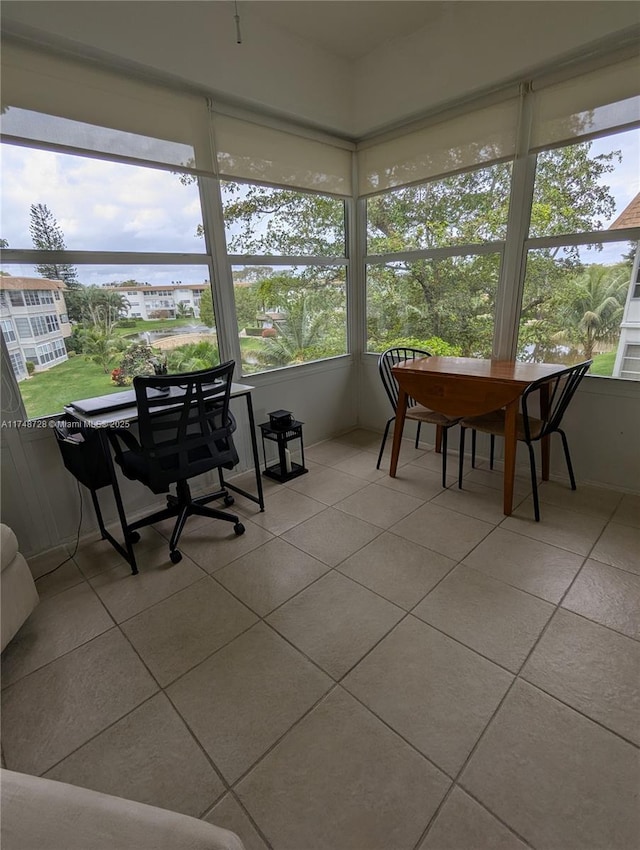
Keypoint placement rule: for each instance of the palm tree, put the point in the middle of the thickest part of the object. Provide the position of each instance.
(593, 308)
(101, 346)
(193, 356)
(297, 333)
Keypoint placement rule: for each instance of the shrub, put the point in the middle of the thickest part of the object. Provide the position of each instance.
(126, 323)
(269, 333)
(138, 360)
(434, 345)
(31, 368)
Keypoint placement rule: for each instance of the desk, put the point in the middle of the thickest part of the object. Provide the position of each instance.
(466, 386)
(103, 420)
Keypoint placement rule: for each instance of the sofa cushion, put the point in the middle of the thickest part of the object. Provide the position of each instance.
(44, 813)
(8, 545)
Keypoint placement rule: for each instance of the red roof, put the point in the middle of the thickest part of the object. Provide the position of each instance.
(16, 283)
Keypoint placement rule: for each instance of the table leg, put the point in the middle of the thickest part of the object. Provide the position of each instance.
(398, 428)
(510, 447)
(439, 439)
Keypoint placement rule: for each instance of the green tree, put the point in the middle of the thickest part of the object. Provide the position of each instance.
(95, 306)
(247, 305)
(591, 306)
(183, 311)
(101, 347)
(206, 308)
(46, 235)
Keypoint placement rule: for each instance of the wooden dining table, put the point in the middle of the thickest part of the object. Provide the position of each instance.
(467, 386)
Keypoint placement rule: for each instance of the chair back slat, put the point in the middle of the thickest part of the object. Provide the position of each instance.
(390, 358)
(561, 388)
(184, 421)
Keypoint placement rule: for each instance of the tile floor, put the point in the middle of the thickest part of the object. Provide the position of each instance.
(376, 663)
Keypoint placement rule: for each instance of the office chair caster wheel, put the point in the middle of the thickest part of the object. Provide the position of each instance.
(228, 501)
(175, 556)
(133, 537)
(238, 528)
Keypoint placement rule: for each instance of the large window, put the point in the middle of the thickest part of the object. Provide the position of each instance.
(577, 301)
(442, 294)
(119, 214)
(289, 274)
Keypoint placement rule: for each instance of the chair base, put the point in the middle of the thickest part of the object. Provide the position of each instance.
(182, 506)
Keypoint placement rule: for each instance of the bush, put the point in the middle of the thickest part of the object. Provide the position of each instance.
(31, 368)
(138, 360)
(434, 345)
(268, 333)
(126, 323)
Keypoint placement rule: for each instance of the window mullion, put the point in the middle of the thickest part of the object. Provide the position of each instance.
(511, 283)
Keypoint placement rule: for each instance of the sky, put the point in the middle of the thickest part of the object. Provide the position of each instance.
(112, 206)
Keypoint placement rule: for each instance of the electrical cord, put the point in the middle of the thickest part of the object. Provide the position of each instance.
(72, 555)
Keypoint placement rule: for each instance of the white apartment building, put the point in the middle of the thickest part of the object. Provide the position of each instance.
(627, 363)
(34, 322)
(163, 302)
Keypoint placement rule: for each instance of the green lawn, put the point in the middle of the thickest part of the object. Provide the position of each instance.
(143, 325)
(48, 392)
(603, 364)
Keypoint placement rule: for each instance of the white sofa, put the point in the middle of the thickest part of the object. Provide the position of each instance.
(18, 591)
(42, 814)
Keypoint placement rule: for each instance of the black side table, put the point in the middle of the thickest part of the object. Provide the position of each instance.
(285, 469)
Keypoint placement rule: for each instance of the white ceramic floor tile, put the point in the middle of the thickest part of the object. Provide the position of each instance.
(570, 530)
(125, 595)
(50, 713)
(436, 693)
(242, 699)
(56, 626)
(415, 481)
(335, 622)
(285, 509)
(361, 438)
(619, 545)
(496, 620)
(148, 756)
(342, 780)
(229, 814)
(462, 824)
(476, 500)
(628, 511)
(327, 485)
(66, 576)
(608, 596)
(332, 536)
(593, 669)
(379, 505)
(330, 452)
(362, 465)
(271, 574)
(215, 544)
(531, 565)
(448, 532)
(181, 631)
(555, 777)
(585, 499)
(401, 571)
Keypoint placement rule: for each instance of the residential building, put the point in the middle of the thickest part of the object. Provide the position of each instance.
(163, 302)
(34, 321)
(627, 363)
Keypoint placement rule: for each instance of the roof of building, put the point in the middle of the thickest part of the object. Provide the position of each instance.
(164, 288)
(16, 283)
(630, 215)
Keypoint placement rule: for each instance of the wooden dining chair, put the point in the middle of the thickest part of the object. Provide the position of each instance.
(559, 389)
(387, 360)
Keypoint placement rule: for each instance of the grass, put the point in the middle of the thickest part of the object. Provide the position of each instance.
(603, 364)
(47, 392)
(143, 325)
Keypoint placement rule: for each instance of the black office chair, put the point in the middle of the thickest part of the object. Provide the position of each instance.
(185, 429)
(561, 388)
(389, 358)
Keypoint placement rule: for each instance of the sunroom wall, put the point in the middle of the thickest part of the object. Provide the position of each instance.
(40, 499)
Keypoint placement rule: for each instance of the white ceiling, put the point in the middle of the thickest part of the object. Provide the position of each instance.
(346, 28)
